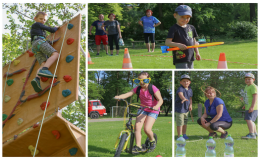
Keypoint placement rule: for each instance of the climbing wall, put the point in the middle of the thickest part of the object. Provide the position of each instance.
(22, 106)
(59, 138)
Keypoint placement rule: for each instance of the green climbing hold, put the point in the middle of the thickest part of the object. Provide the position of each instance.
(19, 121)
(73, 151)
(4, 116)
(66, 92)
(70, 26)
(7, 98)
(69, 58)
(10, 82)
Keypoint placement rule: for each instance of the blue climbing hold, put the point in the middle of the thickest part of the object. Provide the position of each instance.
(73, 151)
(70, 26)
(66, 92)
(69, 58)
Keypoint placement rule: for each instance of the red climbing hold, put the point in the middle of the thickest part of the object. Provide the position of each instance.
(55, 80)
(44, 104)
(56, 134)
(36, 125)
(70, 41)
(67, 78)
(30, 53)
(44, 79)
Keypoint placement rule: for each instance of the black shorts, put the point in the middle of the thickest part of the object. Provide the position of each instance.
(251, 116)
(147, 35)
(214, 126)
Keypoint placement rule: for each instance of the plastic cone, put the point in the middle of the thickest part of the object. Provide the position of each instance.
(127, 61)
(222, 62)
(89, 59)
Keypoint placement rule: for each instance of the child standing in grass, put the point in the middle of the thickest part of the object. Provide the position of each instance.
(183, 104)
(182, 35)
(250, 99)
(148, 116)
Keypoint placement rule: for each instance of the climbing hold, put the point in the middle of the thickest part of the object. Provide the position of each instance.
(67, 78)
(73, 151)
(56, 134)
(31, 148)
(66, 92)
(19, 121)
(70, 26)
(30, 53)
(44, 104)
(16, 62)
(7, 98)
(4, 116)
(55, 80)
(70, 41)
(36, 125)
(69, 58)
(10, 82)
(24, 78)
(15, 136)
(44, 79)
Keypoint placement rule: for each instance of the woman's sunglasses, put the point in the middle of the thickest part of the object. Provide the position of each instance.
(146, 80)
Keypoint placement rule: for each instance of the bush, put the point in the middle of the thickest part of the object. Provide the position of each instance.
(243, 30)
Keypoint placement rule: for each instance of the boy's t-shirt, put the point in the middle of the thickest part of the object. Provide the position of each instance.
(38, 29)
(248, 96)
(99, 30)
(148, 23)
(111, 27)
(183, 107)
(212, 112)
(146, 99)
(184, 36)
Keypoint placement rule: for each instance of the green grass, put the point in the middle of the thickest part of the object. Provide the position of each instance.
(236, 51)
(102, 137)
(197, 148)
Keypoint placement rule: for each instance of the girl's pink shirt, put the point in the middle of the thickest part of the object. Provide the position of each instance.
(146, 99)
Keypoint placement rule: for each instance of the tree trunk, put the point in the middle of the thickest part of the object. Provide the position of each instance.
(160, 15)
(252, 11)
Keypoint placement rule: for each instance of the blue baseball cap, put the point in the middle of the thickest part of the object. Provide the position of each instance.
(185, 77)
(183, 10)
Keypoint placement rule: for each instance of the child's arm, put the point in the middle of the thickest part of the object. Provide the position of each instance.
(103, 28)
(126, 95)
(119, 31)
(251, 109)
(50, 29)
(158, 96)
(197, 51)
(168, 42)
(183, 99)
(190, 106)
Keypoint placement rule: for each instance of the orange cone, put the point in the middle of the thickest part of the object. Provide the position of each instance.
(127, 61)
(89, 59)
(222, 62)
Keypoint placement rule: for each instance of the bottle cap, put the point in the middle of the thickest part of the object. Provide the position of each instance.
(229, 135)
(181, 135)
(210, 137)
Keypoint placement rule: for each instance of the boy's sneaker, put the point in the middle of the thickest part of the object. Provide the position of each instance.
(249, 136)
(107, 53)
(111, 55)
(185, 136)
(224, 135)
(136, 150)
(36, 85)
(214, 135)
(46, 73)
(152, 146)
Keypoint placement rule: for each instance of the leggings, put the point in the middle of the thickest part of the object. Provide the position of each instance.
(115, 38)
(214, 126)
(147, 35)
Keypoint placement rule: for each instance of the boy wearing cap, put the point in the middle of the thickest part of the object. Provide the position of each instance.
(183, 104)
(250, 99)
(182, 35)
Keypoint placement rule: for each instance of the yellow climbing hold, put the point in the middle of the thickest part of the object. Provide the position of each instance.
(16, 62)
(19, 121)
(24, 78)
(7, 98)
(31, 148)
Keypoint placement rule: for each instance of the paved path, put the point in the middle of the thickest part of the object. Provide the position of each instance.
(107, 119)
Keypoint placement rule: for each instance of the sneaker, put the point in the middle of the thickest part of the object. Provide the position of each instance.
(36, 85)
(136, 150)
(214, 135)
(46, 73)
(97, 54)
(255, 134)
(117, 54)
(249, 136)
(185, 136)
(111, 55)
(107, 53)
(152, 145)
(223, 136)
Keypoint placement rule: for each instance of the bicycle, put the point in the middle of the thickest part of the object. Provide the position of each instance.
(128, 134)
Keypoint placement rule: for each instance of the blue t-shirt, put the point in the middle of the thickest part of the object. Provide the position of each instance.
(99, 30)
(183, 107)
(213, 112)
(148, 23)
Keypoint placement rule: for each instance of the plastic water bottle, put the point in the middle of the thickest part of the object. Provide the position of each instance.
(180, 151)
(229, 150)
(210, 144)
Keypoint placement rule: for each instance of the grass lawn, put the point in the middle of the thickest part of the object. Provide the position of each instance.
(196, 145)
(237, 51)
(102, 137)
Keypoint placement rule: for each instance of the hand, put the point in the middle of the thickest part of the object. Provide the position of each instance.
(207, 124)
(198, 58)
(190, 108)
(250, 110)
(182, 46)
(203, 121)
(117, 97)
(243, 107)
(90, 33)
(196, 43)
(106, 32)
(120, 36)
(184, 100)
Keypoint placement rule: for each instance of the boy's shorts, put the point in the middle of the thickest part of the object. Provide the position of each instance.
(104, 39)
(251, 116)
(184, 65)
(44, 52)
(154, 115)
(181, 118)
